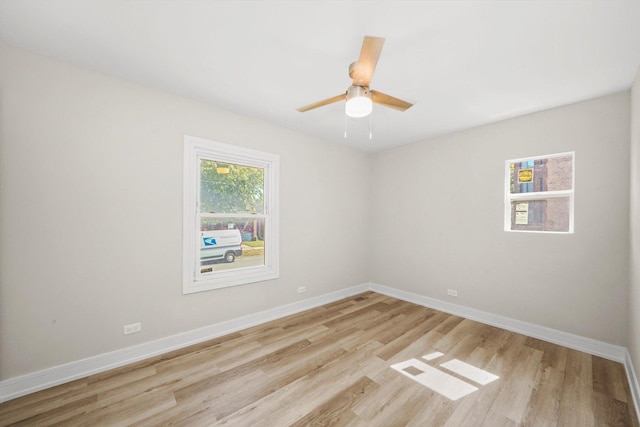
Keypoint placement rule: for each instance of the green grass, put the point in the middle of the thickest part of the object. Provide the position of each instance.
(255, 243)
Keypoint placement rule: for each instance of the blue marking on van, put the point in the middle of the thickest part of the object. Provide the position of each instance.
(209, 241)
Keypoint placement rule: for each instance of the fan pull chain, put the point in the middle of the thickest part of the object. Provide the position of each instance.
(345, 125)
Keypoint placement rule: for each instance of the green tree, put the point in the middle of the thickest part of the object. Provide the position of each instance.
(229, 188)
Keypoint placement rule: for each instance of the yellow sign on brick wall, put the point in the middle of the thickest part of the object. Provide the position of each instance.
(525, 176)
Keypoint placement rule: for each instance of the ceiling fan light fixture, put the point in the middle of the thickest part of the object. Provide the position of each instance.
(358, 102)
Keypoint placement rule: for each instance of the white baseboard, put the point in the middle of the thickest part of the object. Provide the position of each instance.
(40, 380)
(633, 381)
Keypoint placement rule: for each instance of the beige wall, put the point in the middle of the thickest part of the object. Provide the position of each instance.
(438, 221)
(91, 214)
(634, 300)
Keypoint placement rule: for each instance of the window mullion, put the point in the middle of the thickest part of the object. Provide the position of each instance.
(540, 195)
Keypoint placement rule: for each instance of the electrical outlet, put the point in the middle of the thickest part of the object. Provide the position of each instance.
(302, 289)
(133, 328)
(452, 292)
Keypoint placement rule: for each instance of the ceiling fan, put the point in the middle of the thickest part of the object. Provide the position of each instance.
(359, 97)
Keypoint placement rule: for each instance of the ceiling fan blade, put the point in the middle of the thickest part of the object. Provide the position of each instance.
(389, 101)
(363, 69)
(336, 98)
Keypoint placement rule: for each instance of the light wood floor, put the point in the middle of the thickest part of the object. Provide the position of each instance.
(331, 366)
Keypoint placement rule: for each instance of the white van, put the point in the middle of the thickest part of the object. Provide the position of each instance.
(220, 244)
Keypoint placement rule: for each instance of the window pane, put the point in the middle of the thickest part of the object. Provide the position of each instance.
(230, 188)
(231, 243)
(552, 214)
(546, 174)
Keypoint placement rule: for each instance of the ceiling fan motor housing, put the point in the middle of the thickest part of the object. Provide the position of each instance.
(352, 67)
(359, 97)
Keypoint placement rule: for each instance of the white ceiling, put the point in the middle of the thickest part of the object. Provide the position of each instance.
(462, 63)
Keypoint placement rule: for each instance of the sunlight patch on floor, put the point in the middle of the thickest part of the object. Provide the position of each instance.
(476, 375)
(441, 382)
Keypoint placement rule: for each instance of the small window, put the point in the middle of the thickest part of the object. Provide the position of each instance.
(230, 215)
(539, 194)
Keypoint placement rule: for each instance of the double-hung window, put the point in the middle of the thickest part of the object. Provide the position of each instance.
(539, 194)
(230, 233)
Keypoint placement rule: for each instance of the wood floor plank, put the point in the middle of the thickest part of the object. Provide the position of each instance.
(577, 391)
(124, 412)
(544, 405)
(610, 412)
(517, 388)
(286, 406)
(36, 401)
(332, 366)
(393, 403)
(338, 410)
(62, 413)
(553, 355)
(426, 323)
(608, 379)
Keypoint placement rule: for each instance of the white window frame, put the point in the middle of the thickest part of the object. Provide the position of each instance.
(539, 195)
(195, 149)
